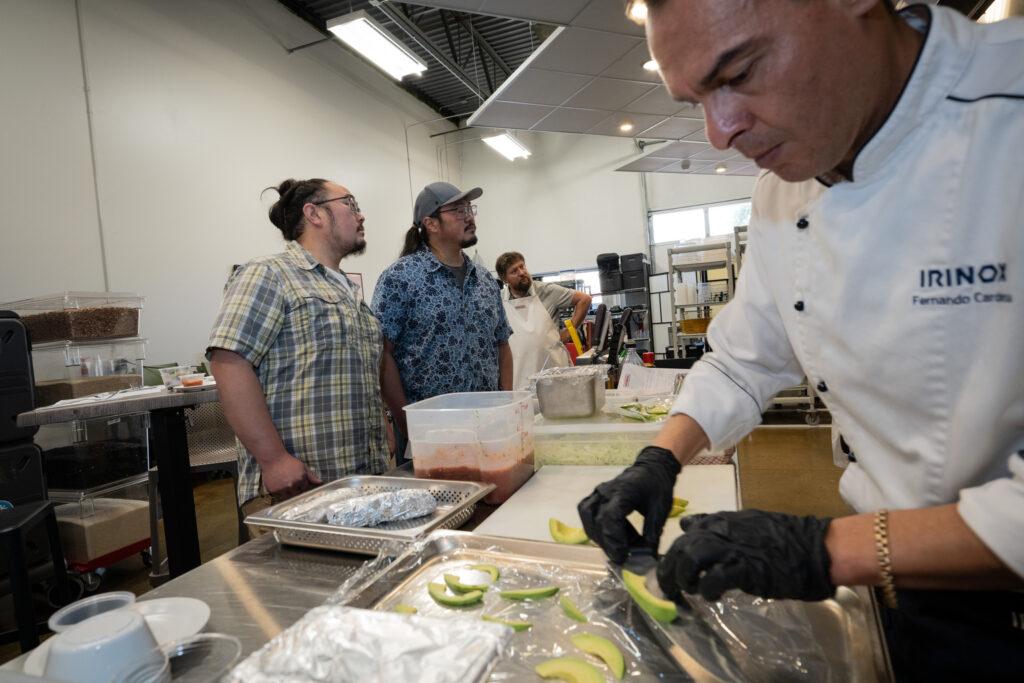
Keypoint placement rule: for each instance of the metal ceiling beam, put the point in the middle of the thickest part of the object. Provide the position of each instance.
(485, 46)
(421, 39)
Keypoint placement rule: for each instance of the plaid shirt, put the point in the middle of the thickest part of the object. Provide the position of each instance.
(316, 352)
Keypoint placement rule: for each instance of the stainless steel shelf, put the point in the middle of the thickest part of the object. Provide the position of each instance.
(713, 303)
(703, 265)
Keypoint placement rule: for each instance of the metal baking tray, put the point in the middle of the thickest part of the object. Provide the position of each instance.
(845, 629)
(456, 501)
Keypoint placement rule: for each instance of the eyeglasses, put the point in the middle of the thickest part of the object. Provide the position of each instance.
(464, 211)
(349, 200)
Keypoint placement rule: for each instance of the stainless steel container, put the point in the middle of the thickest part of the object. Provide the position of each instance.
(571, 392)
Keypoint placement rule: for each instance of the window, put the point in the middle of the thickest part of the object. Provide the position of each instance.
(723, 218)
(700, 222)
(591, 281)
(677, 226)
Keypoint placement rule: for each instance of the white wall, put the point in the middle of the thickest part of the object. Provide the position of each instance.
(562, 206)
(677, 190)
(566, 204)
(47, 199)
(196, 108)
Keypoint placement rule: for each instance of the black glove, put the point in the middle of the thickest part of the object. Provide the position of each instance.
(645, 486)
(762, 553)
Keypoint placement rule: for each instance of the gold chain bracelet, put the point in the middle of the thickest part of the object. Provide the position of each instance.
(884, 558)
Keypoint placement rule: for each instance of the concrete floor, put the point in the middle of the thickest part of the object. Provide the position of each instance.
(781, 468)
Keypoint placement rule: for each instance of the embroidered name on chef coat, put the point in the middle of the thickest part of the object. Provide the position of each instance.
(976, 276)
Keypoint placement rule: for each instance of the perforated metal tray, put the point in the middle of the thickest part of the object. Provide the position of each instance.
(456, 501)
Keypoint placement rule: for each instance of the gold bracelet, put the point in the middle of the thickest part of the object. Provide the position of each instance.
(884, 558)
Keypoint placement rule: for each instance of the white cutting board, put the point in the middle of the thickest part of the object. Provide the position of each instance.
(555, 490)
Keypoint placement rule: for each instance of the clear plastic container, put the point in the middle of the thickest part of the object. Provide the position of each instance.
(79, 315)
(98, 525)
(71, 369)
(83, 455)
(474, 436)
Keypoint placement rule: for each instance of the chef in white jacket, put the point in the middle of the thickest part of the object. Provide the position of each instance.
(885, 263)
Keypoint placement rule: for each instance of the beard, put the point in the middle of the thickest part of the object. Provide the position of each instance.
(520, 288)
(468, 241)
(358, 248)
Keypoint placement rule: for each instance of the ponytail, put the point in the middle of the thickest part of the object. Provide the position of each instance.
(413, 241)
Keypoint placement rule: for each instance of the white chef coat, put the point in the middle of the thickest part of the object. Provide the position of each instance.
(900, 295)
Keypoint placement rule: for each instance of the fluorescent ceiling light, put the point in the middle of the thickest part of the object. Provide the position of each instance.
(637, 11)
(650, 65)
(626, 126)
(721, 168)
(507, 146)
(364, 35)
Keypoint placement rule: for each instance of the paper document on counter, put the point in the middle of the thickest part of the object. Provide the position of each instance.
(651, 381)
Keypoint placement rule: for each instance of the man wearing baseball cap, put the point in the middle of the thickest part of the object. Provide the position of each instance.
(444, 325)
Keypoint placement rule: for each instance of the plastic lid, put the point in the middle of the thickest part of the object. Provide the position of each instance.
(602, 423)
(78, 611)
(74, 299)
(204, 657)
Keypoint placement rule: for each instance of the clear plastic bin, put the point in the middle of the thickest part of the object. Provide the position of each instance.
(79, 315)
(474, 436)
(87, 455)
(103, 526)
(71, 369)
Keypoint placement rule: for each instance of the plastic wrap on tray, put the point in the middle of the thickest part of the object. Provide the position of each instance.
(738, 638)
(338, 644)
(378, 508)
(579, 375)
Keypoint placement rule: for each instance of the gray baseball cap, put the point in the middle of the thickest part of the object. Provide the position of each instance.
(435, 195)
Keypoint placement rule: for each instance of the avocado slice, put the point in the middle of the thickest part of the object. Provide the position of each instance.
(678, 507)
(603, 648)
(488, 568)
(441, 596)
(459, 587)
(563, 533)
(662, 610)
(571, 610)
(513, 624)
(406, 609)
(529, 593)
(569, 669)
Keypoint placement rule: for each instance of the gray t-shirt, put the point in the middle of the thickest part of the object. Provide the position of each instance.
(459, 272)
(552, 297)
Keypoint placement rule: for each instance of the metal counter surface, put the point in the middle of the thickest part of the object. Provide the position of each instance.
(261, 588)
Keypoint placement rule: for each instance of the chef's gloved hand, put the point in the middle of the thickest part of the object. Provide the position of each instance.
(768, 554)
(645, 486)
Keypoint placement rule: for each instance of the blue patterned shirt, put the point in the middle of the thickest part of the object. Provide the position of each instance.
(445, 340)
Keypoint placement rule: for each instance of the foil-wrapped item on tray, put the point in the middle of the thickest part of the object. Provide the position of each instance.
(378, 508)
(314, 508)
(338, 644)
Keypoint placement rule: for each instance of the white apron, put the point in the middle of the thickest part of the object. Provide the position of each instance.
(534, 341)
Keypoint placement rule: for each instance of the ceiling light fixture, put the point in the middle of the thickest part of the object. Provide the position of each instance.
(507, 146)
(626, 126)
(364, 35)
(650, 65)
(637, 11)
(721, 168)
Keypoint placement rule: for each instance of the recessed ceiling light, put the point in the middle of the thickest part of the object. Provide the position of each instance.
(507, 146)
(364, 35)
(650, 65)
(637, 11)
(626, 126)
(721, 168)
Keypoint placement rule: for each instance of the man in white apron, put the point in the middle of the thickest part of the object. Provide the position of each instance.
(531, 308)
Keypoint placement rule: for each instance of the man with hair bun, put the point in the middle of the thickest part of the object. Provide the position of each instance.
(296, 353)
